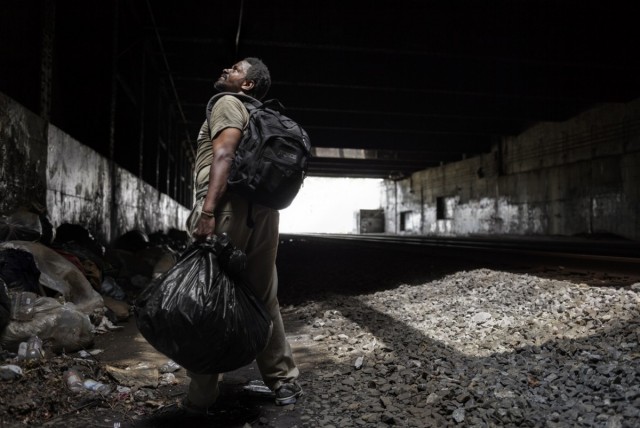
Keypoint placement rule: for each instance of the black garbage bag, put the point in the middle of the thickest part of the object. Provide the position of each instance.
(19, 271)
(133, 240)
(201, 313)
(68, 233)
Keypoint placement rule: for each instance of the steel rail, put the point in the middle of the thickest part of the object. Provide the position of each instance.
(607, 255)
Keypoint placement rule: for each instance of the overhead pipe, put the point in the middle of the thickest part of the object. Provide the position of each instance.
(239, 27)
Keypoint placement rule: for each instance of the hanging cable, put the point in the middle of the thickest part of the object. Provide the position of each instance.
(239, 26)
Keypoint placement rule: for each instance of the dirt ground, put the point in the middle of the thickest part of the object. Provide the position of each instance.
(142, 407)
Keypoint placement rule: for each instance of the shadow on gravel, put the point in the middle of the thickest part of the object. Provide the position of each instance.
(585, 380)
(582, 381)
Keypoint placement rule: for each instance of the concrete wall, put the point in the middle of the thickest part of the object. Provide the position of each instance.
(23, 156)
(581, 176)
(40, 163)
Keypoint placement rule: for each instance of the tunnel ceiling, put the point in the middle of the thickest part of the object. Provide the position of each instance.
(387, 88)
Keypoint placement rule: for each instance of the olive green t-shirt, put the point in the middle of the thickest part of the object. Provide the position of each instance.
(228, 112)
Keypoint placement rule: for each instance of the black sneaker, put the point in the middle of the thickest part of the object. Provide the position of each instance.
(192, 410)
(288, 393)
(223, 414)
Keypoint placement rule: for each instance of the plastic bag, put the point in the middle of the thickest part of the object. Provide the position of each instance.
(60, 275)
(63, 327)
(199, 316)
(21, 225)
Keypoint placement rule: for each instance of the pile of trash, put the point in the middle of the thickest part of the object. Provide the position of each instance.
(61, 287)
(42, 389)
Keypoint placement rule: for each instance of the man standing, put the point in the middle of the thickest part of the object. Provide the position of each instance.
(218, 211)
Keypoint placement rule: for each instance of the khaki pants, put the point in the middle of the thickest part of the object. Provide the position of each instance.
(260, 244)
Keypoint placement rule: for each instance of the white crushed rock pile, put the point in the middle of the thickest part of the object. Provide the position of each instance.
(476, 348)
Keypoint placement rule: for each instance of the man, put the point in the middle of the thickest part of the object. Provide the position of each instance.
(218, 211)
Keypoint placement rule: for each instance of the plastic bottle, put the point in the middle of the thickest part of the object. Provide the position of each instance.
(22, 351)
(34, 348)
(74, 380)
(169, 367)
(94, 385)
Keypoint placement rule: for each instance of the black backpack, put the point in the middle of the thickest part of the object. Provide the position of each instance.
(270, 162)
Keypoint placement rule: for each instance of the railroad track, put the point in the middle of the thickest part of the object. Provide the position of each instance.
(591, 254)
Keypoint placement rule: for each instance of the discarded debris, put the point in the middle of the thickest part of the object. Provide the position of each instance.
(10, 372)
(55, 296)
(95, 386)
(168, 379)
(135, 377)
(169, 367)
(358, 363)
(74, 380)
(90, 353)
(257, 386)
(106, 326)
(23, 305)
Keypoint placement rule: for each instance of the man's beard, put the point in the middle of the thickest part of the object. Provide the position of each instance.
(220, 86)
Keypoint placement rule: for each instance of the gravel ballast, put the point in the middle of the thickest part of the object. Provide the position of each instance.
(479, 348)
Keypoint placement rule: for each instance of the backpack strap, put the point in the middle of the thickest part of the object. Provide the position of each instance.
(249, 102)
(274, 104)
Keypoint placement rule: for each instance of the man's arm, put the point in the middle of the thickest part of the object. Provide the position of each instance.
(224, 148)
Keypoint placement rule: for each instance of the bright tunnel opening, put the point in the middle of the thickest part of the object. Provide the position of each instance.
(330, 205)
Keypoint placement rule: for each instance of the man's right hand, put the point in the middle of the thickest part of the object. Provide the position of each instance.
(205, 228)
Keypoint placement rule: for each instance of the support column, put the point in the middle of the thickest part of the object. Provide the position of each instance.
(142, 108)
(46, 57)
(113, 209)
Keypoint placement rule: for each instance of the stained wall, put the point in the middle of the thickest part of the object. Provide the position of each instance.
(41, 163)
(581, 176)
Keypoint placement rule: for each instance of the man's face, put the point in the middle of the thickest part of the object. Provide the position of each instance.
(232, 79)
